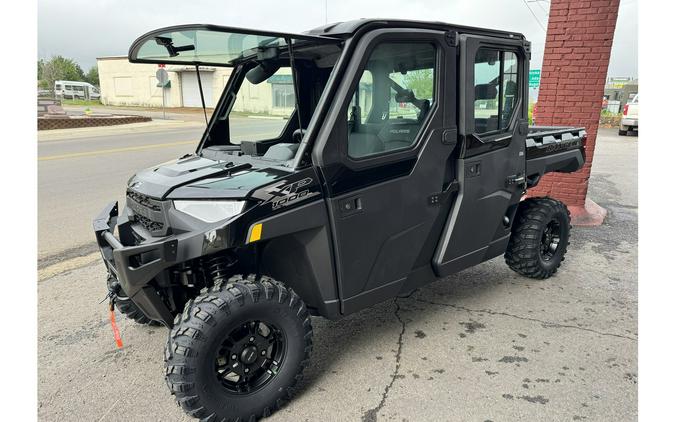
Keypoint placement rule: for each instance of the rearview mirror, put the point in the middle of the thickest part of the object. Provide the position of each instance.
(262, 72)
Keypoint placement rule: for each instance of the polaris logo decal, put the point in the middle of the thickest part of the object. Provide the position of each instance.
(561, 146)
(283, 193)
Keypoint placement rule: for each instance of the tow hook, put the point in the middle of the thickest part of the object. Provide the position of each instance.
(113, 290)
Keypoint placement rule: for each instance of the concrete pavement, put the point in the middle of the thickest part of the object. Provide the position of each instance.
(484, 344)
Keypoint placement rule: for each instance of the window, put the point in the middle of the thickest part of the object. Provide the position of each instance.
(283, 96)
(392, 100)
(271, 101)
(495, 89)
(364, 96)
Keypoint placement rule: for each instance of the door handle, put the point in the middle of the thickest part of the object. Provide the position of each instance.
(517, 179)
(349, 206)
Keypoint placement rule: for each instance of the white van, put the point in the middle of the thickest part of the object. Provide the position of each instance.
(76, 89)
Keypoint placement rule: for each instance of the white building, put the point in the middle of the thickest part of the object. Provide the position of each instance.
(133, 84)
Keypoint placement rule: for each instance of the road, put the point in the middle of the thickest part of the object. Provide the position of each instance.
(79, 174)
(482, 345)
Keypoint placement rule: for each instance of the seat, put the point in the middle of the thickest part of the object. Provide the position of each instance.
(363, 144)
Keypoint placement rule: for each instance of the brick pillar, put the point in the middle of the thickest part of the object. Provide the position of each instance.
(578, 44)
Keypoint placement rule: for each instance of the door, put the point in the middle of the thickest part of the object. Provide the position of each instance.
(386, 162)
(190, 89)
(493, 126)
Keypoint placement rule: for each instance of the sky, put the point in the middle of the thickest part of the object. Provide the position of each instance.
(86, 29)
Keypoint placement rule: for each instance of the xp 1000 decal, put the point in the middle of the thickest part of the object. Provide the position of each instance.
(288, 192)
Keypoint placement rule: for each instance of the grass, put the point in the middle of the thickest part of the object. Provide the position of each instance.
(607, 113)
(81, 102)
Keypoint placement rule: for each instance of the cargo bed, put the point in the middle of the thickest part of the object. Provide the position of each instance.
(553, 149)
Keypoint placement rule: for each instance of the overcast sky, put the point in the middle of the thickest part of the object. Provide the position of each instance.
(86, 29)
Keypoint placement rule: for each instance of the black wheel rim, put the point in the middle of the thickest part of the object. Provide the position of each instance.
(550, 240)
(249, 357)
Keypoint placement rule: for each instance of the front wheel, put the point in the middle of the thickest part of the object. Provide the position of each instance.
(238, 350)
(539, 238)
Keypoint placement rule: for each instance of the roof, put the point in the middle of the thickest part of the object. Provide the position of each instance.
(348, 28)
(157, 46)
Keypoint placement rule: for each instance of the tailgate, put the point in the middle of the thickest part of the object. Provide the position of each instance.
(633, 109)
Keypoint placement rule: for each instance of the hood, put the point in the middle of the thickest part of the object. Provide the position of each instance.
(197, 177)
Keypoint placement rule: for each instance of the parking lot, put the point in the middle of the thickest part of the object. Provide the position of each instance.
(482, 345)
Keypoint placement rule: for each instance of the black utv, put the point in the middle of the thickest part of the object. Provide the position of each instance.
(341, 167)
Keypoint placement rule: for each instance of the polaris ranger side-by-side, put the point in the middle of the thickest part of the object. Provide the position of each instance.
(403, 159)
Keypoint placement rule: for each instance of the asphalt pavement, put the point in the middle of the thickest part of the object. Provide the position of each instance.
(481, 345)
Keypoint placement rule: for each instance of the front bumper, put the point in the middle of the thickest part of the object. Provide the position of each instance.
(135, 266)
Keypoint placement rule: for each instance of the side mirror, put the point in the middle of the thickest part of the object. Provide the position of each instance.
(405, 96)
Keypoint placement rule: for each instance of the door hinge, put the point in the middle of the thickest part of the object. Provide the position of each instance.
(440, 197)
(451, 38)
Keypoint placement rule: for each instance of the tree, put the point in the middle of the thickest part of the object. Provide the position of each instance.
(92, 76)
(58, 68)
(421, 81)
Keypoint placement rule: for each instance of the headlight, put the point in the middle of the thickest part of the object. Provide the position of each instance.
(210, 211)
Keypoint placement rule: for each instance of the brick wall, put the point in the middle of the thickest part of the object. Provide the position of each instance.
(45, 123)
(576, 56)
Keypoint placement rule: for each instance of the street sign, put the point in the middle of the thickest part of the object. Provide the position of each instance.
(162, 76)
(535, 77)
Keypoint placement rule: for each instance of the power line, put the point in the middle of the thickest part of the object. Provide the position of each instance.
(534, 16)
(540, 6)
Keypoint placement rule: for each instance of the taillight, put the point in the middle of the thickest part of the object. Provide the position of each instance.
(625, 110)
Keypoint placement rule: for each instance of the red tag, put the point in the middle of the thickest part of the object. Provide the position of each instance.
(116, 331)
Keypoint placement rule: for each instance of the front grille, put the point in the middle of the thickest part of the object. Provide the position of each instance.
(144, 200)
(151, 226)
(148, 212)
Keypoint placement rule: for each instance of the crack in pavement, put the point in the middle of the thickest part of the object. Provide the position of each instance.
(371, 415)
(545, 324)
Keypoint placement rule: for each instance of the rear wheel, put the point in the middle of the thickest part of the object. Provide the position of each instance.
(623, 132)
(539, 238)
(238, 350)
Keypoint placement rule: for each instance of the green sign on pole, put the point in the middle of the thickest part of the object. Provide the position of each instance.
(535, 76)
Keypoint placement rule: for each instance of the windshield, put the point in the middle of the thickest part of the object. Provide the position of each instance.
(271, 94)
(211, 45)
(208, 47)
(267, 101)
